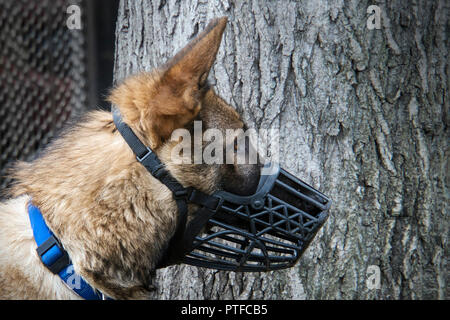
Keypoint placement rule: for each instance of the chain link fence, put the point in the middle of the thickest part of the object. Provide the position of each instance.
(45, 77)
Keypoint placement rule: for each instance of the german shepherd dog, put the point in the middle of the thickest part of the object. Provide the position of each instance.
(110, 215)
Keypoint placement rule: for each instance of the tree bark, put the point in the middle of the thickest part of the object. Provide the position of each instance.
(363, 117)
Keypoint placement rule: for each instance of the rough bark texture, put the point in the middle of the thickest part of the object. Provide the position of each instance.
(363, 116)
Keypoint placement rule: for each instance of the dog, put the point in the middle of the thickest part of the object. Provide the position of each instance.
(112, 217)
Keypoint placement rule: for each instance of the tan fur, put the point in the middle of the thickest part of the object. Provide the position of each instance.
(113, 218)
(159, 102)
(21, 271)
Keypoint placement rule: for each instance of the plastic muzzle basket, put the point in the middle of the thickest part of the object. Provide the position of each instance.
(266, 231)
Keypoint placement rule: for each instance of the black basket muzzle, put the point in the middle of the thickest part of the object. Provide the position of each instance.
(266, 231)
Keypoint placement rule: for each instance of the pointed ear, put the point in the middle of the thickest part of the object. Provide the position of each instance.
(189, 68)
(169, 98)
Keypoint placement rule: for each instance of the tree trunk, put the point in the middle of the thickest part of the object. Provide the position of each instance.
(363, 116)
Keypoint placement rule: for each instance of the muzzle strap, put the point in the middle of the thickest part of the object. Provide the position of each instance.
(139, 149)
(210, 202)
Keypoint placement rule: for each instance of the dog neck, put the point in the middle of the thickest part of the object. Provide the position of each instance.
(92, 191)
(53, 255)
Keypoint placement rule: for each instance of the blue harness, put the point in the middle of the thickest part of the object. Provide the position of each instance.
(56, 259)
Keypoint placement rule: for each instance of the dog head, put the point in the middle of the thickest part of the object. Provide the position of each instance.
(177, 96)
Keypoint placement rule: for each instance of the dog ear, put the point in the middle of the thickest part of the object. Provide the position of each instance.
(160, 102)
(184, 76)
(190, 67)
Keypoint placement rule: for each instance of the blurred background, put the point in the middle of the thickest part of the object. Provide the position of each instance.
(55, 62)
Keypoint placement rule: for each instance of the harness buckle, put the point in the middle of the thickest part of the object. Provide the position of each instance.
(183, 194)
(145, 156)
(61, 262)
